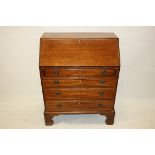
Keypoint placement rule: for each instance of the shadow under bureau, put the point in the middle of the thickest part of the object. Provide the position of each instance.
(79, 74)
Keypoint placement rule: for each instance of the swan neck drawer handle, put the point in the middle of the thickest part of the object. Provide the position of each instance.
(57, 93)
(59, 105)
(56, 82)
(104, 72)
(100, 105)
(101, 81)
(101, 93)
(56, 72)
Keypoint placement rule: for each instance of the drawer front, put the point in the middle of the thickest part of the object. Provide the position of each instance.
(79, 93)
(79, 105)
(81, 82)
(78, 72)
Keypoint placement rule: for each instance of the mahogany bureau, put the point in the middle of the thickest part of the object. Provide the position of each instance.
(79, 74)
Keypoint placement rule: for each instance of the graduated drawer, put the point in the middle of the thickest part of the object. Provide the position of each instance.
(75, 93)
(79, 82)
(79, 105)
(77, 71)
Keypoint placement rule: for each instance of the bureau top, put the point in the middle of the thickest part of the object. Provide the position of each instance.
(79, 49)
(79, 35)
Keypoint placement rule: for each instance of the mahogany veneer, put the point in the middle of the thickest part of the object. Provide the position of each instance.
(79, 73)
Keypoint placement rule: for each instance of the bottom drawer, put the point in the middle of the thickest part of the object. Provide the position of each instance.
(78, 105)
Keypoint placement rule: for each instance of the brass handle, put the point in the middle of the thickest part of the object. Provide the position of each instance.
(59, 105)
(101, 81)
(100, 105)
(104, 72)
(56, 72)
(101, 93)
(57, 93)
(56, 82)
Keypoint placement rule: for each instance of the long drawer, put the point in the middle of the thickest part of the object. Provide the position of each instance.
(90, 93)
(78, 105)
(79, 82)
(77, 71)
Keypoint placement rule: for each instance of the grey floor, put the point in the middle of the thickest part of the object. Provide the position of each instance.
(27, 112)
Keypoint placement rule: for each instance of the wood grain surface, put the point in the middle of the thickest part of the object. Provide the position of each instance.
(79, 51)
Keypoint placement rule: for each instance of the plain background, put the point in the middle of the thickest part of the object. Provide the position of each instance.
(21, 102)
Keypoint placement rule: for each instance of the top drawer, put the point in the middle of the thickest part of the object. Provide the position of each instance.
(77, 71)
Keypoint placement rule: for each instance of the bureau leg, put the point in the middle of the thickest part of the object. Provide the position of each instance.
(110, 118)
(48, 119)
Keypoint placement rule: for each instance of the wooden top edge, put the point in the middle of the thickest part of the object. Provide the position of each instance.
(80, 35)
(40, 65)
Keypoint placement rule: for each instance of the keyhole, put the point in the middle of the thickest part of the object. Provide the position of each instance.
(79, 72)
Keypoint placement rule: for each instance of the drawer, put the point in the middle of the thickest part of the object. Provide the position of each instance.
(77, 71)
(90, 93)
(79, 105)
(79, 82)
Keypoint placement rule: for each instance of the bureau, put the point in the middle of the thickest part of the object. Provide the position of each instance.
(79, 74)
